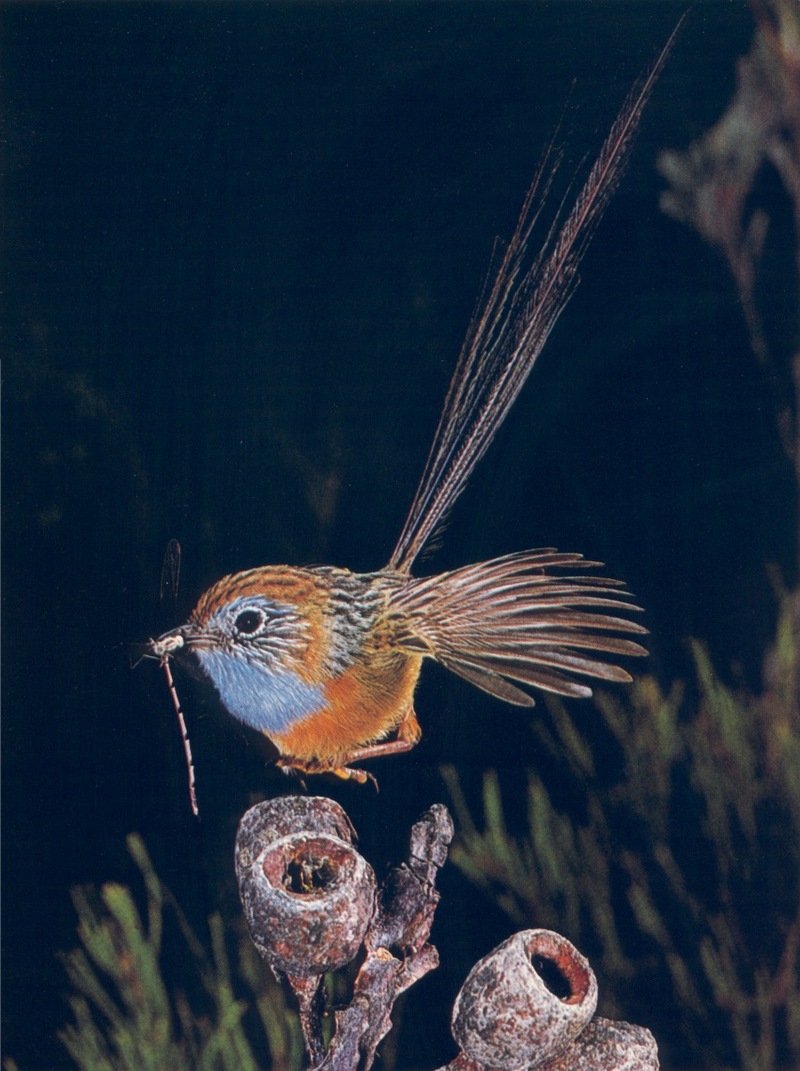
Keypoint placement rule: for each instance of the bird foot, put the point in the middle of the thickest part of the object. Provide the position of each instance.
(344, 773)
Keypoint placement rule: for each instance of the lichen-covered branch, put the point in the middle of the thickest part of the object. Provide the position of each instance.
(313, 905)
(311, 902)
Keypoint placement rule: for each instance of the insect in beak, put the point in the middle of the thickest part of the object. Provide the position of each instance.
(166, 646)
(163, 649)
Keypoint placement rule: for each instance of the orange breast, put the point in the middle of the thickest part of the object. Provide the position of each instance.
(364, 704)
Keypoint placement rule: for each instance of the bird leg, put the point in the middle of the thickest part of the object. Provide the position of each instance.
(408, 734)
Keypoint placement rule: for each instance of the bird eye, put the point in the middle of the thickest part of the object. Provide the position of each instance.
(249, 622)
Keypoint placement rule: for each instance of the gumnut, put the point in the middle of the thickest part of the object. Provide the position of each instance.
(609, 1046)
(525, 1002)
(308, 896)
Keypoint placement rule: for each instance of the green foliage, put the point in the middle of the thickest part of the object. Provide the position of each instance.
(126, 1016)
(681, 875)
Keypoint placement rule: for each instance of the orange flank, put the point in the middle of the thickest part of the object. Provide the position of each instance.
(361, 705)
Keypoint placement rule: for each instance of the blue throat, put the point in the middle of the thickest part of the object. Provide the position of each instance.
(269, 702)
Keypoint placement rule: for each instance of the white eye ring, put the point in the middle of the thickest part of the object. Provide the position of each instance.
(250, 621)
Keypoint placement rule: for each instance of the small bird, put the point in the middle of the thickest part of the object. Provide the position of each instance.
(324, 661)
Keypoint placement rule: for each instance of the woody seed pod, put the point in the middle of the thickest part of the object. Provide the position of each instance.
(308, 896)
(524, 1002)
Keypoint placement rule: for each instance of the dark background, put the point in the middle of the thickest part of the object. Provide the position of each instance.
(243, 242)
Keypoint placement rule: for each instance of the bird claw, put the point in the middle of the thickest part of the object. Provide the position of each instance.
(295, 772)
(353, 773)
(344, 773)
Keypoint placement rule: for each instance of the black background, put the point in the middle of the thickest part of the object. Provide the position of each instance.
(243, 244)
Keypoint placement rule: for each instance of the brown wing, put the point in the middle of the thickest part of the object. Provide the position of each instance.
(521, 619)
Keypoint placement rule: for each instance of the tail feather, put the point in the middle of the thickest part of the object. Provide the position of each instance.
(552, 649)
(492, 682)
(515, 315)
(519, 619)
(488, 681)
(512, 619)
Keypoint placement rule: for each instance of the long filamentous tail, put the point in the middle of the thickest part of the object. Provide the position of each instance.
(513, 319)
